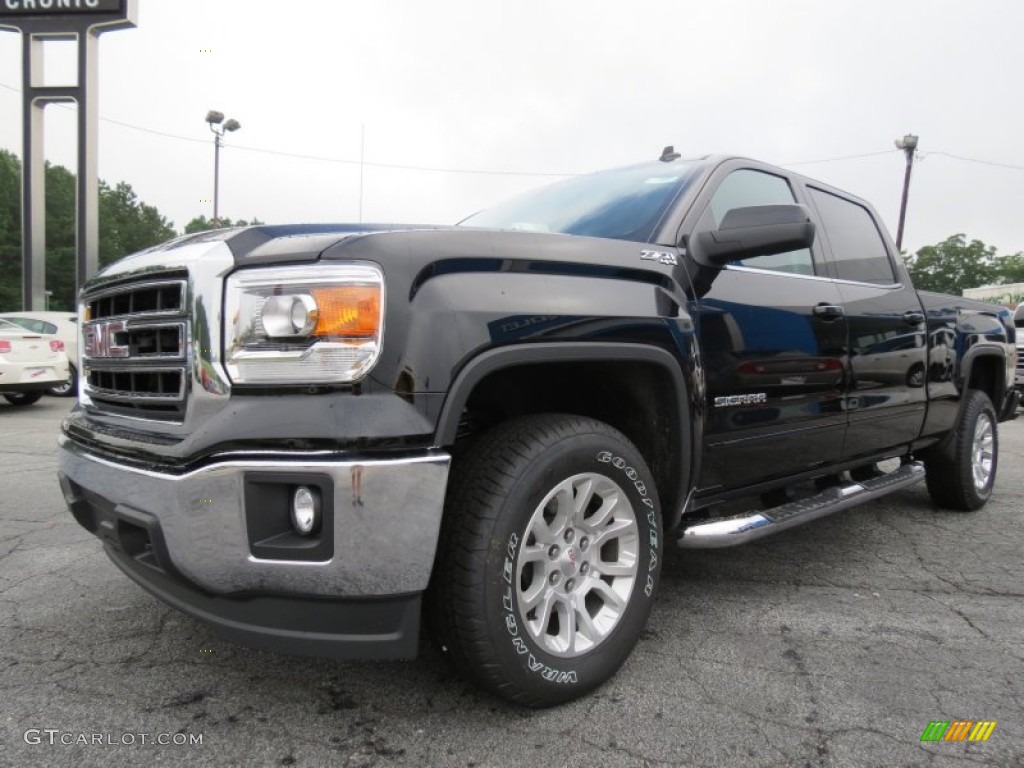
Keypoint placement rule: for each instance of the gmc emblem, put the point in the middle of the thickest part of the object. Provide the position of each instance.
(101, 339)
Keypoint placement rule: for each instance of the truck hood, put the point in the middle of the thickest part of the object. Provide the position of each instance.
(416, 253)
(246, 245)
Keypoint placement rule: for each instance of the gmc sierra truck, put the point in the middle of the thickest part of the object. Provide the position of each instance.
(1018, 321)
(310, 437)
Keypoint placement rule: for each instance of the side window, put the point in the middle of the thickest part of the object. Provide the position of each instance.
(24, 322)
(745, 188)
(857, 245)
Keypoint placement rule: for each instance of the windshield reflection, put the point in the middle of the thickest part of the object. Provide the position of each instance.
(621, 204)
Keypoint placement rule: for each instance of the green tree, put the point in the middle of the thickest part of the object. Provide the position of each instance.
(953, 264)
(126, 225)
(60, 234)
(202, 224)
(60, 237)
(1011, 268)
(10, 231)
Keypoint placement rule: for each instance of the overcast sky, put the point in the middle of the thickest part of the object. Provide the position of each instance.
(546, 87)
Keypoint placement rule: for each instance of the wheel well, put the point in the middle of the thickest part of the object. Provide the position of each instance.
(638, 399)
(986, 375)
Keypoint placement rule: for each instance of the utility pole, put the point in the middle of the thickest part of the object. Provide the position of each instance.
(909, 146)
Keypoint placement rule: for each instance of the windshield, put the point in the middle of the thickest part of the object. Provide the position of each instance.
(623, 204)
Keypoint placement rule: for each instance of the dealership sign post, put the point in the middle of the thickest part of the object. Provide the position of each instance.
(82, 21)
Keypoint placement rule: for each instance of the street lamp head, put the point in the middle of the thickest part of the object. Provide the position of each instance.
(232, 125)
(907, 142)
(213, 117)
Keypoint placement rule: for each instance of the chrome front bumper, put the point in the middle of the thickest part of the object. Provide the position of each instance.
(383, 541)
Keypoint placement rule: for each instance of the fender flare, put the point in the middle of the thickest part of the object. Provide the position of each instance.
(972, 355)
(496, 359)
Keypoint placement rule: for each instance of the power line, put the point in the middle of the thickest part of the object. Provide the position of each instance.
(345, 161)
(321, 158)
(976, 160)
(151, 130)
(836, 159)
(489, 172)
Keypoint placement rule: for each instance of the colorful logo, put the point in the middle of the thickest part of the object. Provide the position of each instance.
(958, 730)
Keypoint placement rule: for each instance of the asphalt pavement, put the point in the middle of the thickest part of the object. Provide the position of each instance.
(834, 644)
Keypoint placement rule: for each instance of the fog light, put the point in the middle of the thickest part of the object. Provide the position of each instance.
(305, 511)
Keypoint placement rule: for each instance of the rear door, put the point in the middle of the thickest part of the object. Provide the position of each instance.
(771, 333)
(888, 349)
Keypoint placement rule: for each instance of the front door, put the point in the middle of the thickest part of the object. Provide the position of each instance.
(772, 335)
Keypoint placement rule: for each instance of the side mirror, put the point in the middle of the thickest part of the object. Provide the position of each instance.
(758, 230)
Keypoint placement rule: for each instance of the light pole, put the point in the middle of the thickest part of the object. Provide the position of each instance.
(909, 145)
(214, 119)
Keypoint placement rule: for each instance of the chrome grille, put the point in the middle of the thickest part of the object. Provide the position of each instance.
(150, 298)
(147, 384)
(135, 350)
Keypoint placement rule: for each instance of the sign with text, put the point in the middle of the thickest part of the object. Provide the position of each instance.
(82, 22)
(25, 8)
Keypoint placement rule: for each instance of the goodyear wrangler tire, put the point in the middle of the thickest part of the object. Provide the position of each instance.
(960, 474)
(549, 559)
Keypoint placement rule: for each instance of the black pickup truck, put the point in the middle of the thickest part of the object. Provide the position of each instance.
(310, 436)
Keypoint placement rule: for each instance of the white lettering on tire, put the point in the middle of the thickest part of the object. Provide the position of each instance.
(606, 457)
(550, 674)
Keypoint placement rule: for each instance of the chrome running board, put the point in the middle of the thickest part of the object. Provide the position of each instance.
(730, 531)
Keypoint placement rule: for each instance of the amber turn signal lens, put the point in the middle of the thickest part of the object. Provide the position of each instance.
(347, 310)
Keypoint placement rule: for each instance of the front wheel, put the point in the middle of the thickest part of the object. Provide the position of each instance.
(961, 473)
(550, 555)
(22, 398)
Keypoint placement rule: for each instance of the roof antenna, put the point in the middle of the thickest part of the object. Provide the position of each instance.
(668, 154)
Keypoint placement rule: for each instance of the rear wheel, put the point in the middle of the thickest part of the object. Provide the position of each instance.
(22, 398)
(69, 387)
(550, 554)
(960, 475)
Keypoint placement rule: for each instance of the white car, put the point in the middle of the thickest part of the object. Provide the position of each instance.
(63, 325)
(30, 364)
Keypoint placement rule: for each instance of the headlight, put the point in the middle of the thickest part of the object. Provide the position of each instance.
(303, 325)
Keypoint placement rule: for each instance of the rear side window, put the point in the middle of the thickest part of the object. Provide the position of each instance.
(857, 246)
(36, 326)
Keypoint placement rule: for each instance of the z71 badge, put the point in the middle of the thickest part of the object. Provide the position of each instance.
(727, 400)
(662, 257)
